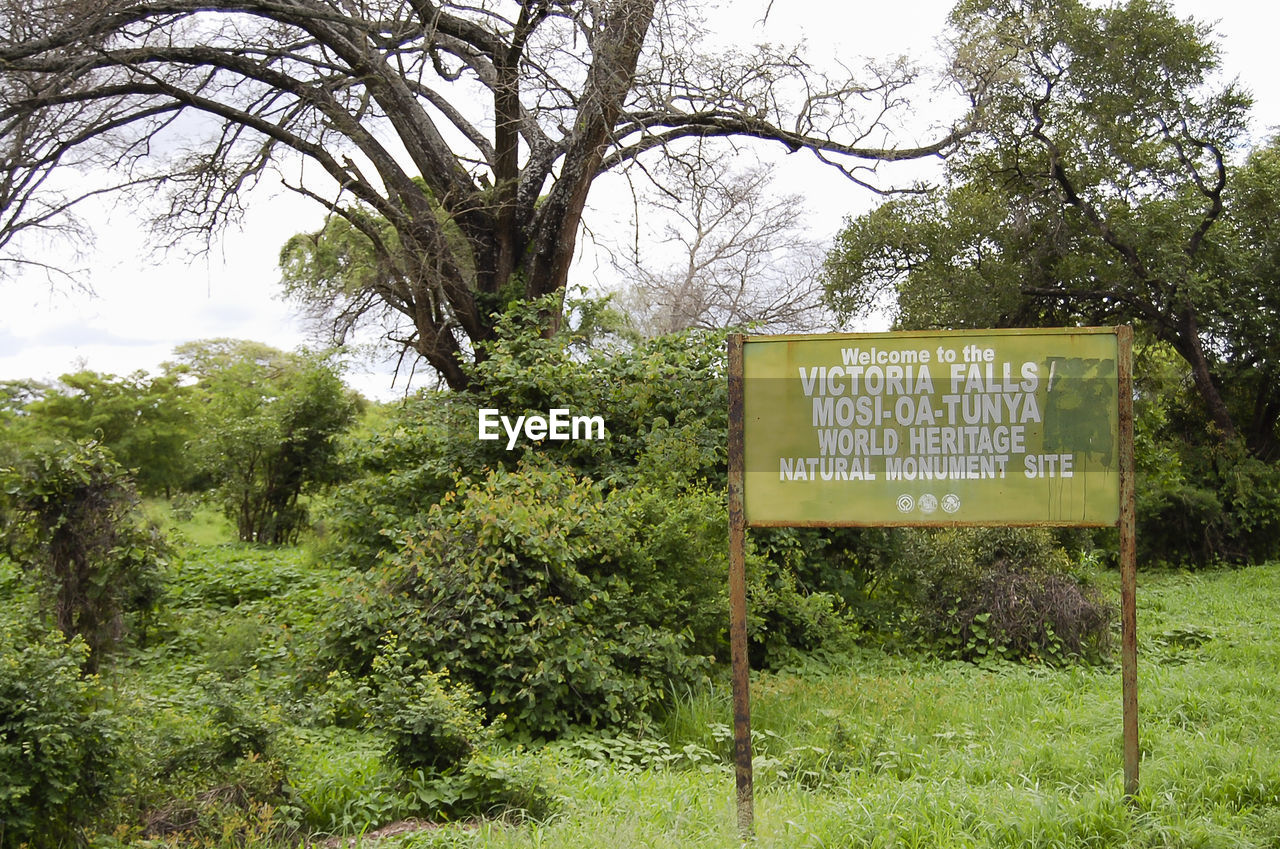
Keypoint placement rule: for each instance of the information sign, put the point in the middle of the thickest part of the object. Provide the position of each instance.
(984, 427)
(1016, 427)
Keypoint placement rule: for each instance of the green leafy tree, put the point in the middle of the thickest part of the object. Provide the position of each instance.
(74, 522)
(145, 420)
(1097, 188)
(1243, 327)
(269, 424)
(15, 395)
(58, 742)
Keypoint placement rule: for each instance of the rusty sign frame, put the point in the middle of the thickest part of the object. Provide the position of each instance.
(737, 561)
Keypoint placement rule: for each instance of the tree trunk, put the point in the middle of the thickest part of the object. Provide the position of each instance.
(1187, 342)
(623, 28)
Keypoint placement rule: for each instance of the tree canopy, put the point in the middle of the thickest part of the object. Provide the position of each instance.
(144, 420)
(1101, 186)
(268, 424)
(457, 142)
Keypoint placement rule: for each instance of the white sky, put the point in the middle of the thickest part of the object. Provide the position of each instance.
(145, 305)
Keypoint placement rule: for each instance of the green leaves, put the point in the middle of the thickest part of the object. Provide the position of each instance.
(76, 525)
(432, 722)
(269, 424)
(56, 743)
(145, 421)
(535, 591)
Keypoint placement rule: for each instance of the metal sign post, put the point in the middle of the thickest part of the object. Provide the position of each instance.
(738, 596)
(931, 429)
(1128, 563)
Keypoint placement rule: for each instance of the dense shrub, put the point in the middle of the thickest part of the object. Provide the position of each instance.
(1025, 612)
(57, 740)
(268, 424)
(205, 755)
(241, 804)
(1200, 500)
(998, 592)
(431, 722)
(517, 586)
(1207, 503)
(76, 525)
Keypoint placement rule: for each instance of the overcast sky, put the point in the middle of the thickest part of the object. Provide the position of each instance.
(145, 305)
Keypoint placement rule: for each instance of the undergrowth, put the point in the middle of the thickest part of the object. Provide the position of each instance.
(229, 740)
(878, 751)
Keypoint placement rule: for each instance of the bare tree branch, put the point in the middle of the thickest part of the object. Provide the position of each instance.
(464, 136)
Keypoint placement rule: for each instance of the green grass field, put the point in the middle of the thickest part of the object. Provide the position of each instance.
(878, 751)
(867, 750)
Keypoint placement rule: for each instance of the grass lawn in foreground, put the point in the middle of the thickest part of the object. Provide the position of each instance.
(882, 751)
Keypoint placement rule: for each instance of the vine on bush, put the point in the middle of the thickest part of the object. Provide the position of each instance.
(57, 740)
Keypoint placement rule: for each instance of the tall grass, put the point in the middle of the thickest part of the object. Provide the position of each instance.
(880, 751)
(870, 751)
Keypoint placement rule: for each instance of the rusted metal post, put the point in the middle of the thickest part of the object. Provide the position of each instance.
(738, 596)
(1128, 564)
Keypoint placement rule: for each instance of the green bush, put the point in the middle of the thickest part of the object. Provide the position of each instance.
(784, 621)
(1200, 500)
(269, 424)
(1205, 504)
(343, 783)
(245, 803)
(431, 722)
(985, 593)
(208, 725)
(489, 784)
(77, 525)
(57, 740)
(517, 585)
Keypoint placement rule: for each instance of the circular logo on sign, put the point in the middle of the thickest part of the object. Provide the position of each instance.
(906, 503)
(928, 503)
(951, 502)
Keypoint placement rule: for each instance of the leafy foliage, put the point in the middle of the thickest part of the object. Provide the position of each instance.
(517, 585)
(432, 723)
(144, 420)
(1097, 189)
(77, 526)
(268, 424)
(663, 403)
(1004, 593)
(1200, 500)
(567, 583)
(57, 740)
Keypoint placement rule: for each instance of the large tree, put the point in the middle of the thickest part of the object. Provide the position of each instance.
(457, 141)
(1098, 187)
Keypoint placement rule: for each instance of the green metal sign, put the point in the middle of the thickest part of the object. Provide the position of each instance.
(1015, 427)
(988, 427)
